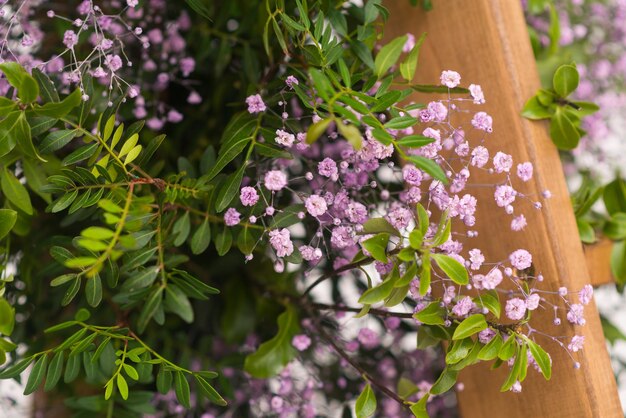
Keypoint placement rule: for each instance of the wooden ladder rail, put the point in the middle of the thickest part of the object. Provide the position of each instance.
(487, 42)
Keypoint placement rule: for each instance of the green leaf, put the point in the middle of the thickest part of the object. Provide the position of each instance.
(13, 72)
(229, 189)
(565, 80)
(131, 371)
(71, 369)
(563, 131)
(470, 326)
(64, 201)
(366, 403)
(586, 231)
(377, 293)
(419, 408)
(7, 317)
(445, 382)
(48, 90)
(150, 308)
(614, 196)
(415, 141)
(615, 226)
(491, 349)
(459, 350)
(378, 225)
(56, 140)
(317, 129)
(208, 391)
(618, 262)
(54, 371)
(181, 229)
(401, 122)
(491, 301)
(60, 109)
(541, 357)
(425, 273)
(508, 348)
(36, 375)
(164, 380)
(377, 246)
(16, 369)
(352, 135)
(275, 353)
(177, 302)
(247, 240)
(80, 154)
(201, 238)
(15, 192)
(93, 291)
(224, 240)
(520, 360)
(181, 388)
(24, 138)
(533, 109)
(388, 55)
(453, 269)
(433, 314)
(8, 127)
(122, 386)
(28, 91)
(428, 166)
(200, 7)
(409, 65)
(7, 221)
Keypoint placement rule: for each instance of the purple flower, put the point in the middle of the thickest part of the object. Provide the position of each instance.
(521, 259)
(518, 223)
(477, 93)
(284, 138)
(232, 217)
(291, 81)
(525, 171)
(532, 301)
(301, 342)
(504, 195)
(482, 121)
(463, 306)
(316, 205)
(275, 180)
(114, 62)
(255, 104)
(575, 314)
(70, 39)
(586, 294)
(327, 168)
(515, 309)
(502, 162)
(450, 79)
(368, 338)
(492, 279)
(280, 239)
(248, 196)
(310, 254)
(576, 344)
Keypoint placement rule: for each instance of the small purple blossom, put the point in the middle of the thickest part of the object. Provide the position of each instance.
(280, 239)
(521, 259)
(450, 79)
(255, 104)
(515, 309)
(232, 217)
(275, 180)
(301, 342)
(248, 196)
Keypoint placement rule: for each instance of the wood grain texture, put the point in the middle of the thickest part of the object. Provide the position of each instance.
(487, 42)
(598, 256)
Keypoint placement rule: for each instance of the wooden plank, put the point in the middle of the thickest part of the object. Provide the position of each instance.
(598, 256)
(487, 42)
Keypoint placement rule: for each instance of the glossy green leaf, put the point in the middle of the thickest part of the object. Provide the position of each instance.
(122, 386)
(388, 55)
(15, 192)
(181, 388)
(54, 371)
(445, 382)
(7, 317)
(565, 80)
(317, 129)
(7, 221)
(201, 238)
(377, 246)
(533, 109)
(469, 326)
(432, 314)
(274, 354)
(429, 167)
(409, 65)
(541, 358)
(35, 378)
(208, 391)
(366, 403)
(453, 269)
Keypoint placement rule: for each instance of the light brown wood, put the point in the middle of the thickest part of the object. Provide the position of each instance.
(598, 256)
(487, 42)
